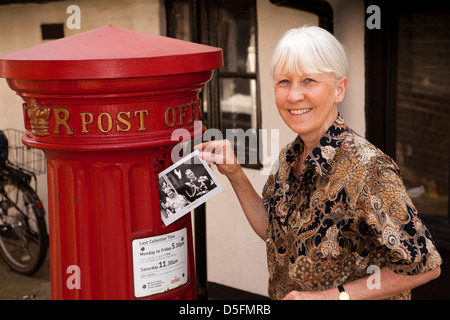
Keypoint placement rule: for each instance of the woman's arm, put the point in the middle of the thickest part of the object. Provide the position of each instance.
(391, 284)
(222, 154)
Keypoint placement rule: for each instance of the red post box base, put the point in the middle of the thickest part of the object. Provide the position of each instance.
(98, 247)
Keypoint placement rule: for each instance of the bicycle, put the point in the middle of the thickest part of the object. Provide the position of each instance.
(23, 231)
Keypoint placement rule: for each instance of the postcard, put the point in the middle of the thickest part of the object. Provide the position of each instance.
(184, 186)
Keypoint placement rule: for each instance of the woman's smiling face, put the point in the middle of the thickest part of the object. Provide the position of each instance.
(308, 102)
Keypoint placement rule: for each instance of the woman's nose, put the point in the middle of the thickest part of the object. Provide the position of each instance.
(296, 93)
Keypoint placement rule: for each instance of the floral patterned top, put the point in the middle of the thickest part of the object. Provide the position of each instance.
(349, 212)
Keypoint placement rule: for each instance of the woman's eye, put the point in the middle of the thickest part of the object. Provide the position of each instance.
(309, 80)
(283, 82)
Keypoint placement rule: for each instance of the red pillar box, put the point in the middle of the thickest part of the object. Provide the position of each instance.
(103, 105)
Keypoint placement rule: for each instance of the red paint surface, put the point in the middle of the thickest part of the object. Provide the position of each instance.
(113, 98)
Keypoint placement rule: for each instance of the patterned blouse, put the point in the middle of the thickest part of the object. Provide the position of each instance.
(349, 212)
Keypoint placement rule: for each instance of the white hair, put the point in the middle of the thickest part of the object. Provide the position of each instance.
(310, 49)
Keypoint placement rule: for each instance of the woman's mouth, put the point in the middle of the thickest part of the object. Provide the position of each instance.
(299, 111)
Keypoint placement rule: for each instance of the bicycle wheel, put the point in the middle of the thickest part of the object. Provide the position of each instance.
(23, 232)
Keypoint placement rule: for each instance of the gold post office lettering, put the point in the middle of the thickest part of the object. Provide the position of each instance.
(67, 122)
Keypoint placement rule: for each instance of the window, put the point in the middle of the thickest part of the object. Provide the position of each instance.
(236, 35)
(423, 109)
(178, 20)
(52, 31)
(231, 99)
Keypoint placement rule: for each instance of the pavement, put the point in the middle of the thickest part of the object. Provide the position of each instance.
(14, 286)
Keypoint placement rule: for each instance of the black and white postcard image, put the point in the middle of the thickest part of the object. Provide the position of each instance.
(184, 186)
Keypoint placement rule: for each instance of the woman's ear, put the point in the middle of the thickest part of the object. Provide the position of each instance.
(340, 90)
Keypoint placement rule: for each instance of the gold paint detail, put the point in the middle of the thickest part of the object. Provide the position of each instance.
(62, 121)
(39, 118)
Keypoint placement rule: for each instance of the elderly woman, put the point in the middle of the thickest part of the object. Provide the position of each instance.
(334, 209)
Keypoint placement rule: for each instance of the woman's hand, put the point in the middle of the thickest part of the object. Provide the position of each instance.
(391, 284)
(309, 295)
(222, 154)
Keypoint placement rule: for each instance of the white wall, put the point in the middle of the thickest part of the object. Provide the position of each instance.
(349, 27)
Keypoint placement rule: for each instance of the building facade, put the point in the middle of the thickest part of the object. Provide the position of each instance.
(397, 97)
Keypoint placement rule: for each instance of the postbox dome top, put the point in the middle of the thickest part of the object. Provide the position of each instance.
(109, 52)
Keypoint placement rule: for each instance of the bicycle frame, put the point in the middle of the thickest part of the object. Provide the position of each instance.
(16, 175)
